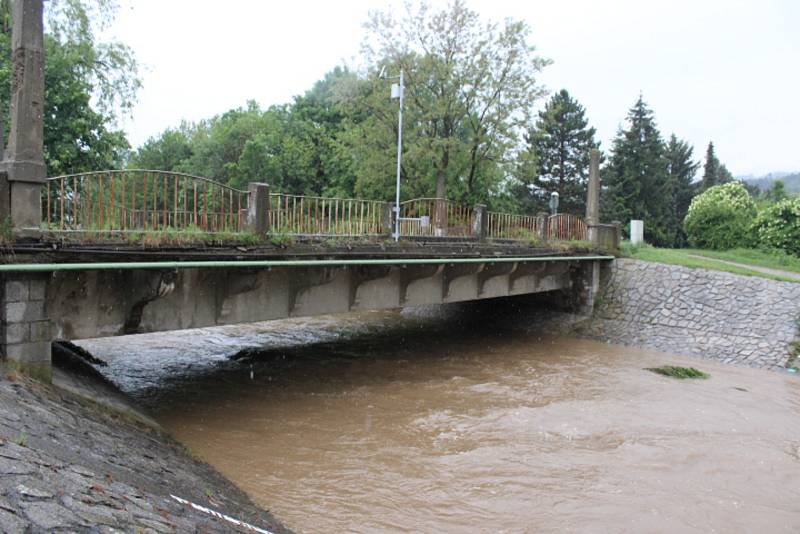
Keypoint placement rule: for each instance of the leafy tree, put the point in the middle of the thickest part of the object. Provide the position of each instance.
(323, 120)
(777, 192)
(778, 226)
(721, 218)
(557, 156)
(167, 152)
(80, 70)
(681, 170)
(469, 86)
(636, 177)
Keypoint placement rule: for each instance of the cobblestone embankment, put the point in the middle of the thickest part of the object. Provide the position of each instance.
(68, 465)
(731, 318)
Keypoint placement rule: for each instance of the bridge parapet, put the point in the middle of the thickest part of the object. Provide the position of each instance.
(140, 200)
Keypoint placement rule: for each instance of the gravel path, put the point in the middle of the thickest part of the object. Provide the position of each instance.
(766, 270)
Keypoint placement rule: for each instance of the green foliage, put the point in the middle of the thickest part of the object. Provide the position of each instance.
(714, 172)
(694, 259)
(778, 226)
(293, 148)
(681, 170)
(762, 257)
(22, 439)
(721, 218)
(680, 373)
(777, 192)
(87, 83)
(636, 177)
(557, 157)
(765, 183)
(470, 86)
(281, 239)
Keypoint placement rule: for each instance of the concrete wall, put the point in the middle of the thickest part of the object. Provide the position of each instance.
(732, 318)
(90, 304)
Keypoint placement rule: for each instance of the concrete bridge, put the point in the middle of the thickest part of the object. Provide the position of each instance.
(122, 252)
(44, 300)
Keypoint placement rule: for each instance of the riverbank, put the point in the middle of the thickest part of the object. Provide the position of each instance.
(727, 317)
(68, 464)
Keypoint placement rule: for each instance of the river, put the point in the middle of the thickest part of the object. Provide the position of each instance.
(430, 421)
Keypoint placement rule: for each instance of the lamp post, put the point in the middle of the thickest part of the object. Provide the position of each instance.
(398, 92)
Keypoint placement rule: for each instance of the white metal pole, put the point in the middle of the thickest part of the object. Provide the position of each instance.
(399, 155)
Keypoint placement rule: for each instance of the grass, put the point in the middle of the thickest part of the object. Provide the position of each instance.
(685, 257)
(22, 439)
(762, 258)
(681, 373)
(190, 236)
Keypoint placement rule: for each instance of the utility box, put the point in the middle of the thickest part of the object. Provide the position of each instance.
(637, 232)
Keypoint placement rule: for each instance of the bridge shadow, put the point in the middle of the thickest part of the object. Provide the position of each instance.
(315, 352)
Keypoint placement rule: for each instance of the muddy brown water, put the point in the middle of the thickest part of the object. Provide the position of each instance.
(354, 424)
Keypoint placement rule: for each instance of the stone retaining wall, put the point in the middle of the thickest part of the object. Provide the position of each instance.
(727, 317)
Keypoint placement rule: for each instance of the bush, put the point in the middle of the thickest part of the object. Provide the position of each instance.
(778, 226)
(721, 218)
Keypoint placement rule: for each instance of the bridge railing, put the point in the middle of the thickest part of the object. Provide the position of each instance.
(428, 217)
(157, 200)
(511, 226)
(142, 200)
(307, 215)
(567, 227)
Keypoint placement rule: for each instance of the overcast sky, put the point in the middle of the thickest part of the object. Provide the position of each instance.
(714, 70)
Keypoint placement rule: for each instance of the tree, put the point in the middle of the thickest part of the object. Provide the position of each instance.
(469, 86)
(637, 185)
(778, 226)
(777, 192)
(557, 158)
(681, 170)
(721, 218)
(714, 172)
(167, 152)
(87, 84)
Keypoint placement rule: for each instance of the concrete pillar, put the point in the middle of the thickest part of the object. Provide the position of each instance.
(23, 169)
(542, 219)
(387, 219)
(617, 233)
(593, 196)
(440, 218)
(480, 222)
(25, 332)
(258, 208)
(637, 231)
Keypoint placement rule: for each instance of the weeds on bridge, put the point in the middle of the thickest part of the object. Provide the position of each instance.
(678, 372)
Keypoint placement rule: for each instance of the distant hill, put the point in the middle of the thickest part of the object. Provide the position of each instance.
(792, 180)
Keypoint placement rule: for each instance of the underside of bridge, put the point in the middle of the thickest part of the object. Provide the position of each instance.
(43, 302)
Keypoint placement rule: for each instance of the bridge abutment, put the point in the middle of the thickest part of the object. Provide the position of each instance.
(25, 327)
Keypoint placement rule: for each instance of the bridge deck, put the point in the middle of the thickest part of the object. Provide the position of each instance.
(58, 251)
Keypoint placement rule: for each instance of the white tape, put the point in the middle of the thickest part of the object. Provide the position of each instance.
(224, 517)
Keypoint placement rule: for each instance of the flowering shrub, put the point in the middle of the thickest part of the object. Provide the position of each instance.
(778, 226)
(721, 218)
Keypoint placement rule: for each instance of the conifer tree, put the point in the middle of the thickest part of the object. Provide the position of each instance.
(681, 170)
(714, 172)
(710, 169)
(636, 181)
(557, 156)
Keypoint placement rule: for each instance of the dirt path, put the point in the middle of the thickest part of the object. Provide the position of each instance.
(766, 270)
